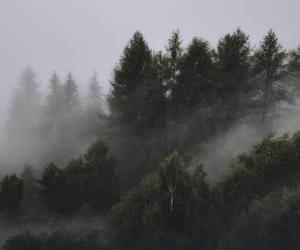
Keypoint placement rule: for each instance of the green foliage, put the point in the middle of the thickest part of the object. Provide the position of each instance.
(271, 164)
(233, 74)
(293, 68)
(55, 99)
(101, 180)
(25, 241)
(127, 77)
(89, 181)
(30, 202)
(170, 63)
(270, 69)
(71, 94)
(157, 213)
(178, 99)
(55, 241)
(11, 194)
(22, 126)
(93, 117)
(271, 223)
(294, 60)
(194, 86)
(52, 185)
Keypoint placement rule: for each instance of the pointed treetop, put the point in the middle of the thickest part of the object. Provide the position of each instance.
(95, 92)
(71, 91)
(174, 48)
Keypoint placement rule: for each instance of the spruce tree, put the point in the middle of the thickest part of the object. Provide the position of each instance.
(11, 194)
(233, 74)
(173, 56)
(127, 77)
(194, 86)
(55, 98)
(94, 114)
(53, 109)
(95, 102)
(72, 101)
(270, 70)
(294, 70)
(23, 123)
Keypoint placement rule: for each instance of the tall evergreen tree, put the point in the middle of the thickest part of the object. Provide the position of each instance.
(63, 119)
(72, 100)
(11, 194)
(194, 86)
(270, 70)
(174, 52)
(193, 96)
(53, 109)
(25, 104)
(30, 202)
(21, 132)
(94, 110)
(127, 77)
(233, 66)
(55, 98)
(294, 70)
(95, 101)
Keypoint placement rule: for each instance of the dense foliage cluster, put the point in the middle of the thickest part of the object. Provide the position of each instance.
(57, 240)
(145, 181)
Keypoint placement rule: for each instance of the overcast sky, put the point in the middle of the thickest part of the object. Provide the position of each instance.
(82, 36)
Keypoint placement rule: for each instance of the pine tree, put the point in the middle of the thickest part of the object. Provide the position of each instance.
(233, 74)
(294, 70)
(55, 98)
(194, 86)
(53, 183)
(270, 70)
(193, 96)
(95, 101)
(72, 100)
(11, 194)
(22, 127)
(53, 110)
(101, 186)
(30, 201)
(94, 114)
(25, 105)
(127, 77)
(173, 56)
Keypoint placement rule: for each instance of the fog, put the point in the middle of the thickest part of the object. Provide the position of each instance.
(83, 36)
(224, 148)
(83, 120)
(86, 36)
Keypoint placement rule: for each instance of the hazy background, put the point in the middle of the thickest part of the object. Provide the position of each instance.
(86, 35)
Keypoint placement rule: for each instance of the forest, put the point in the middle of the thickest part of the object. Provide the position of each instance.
(148, 165)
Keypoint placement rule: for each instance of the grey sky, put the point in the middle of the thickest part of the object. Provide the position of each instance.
(86, 35)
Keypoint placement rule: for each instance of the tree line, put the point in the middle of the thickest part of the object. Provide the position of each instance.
(173, 207)
(143, 176)
(55, 128)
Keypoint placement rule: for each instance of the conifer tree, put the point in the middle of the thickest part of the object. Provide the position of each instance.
(194, 85)
(55, 98)
(11, 194)
(93, 115)
(270, 70)
(233, 74)
(22, 127)
(25, 104)
(173, 56)
(30, 201)
(95, 102)
(72, 101)
(127, 77)
(294, 70)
